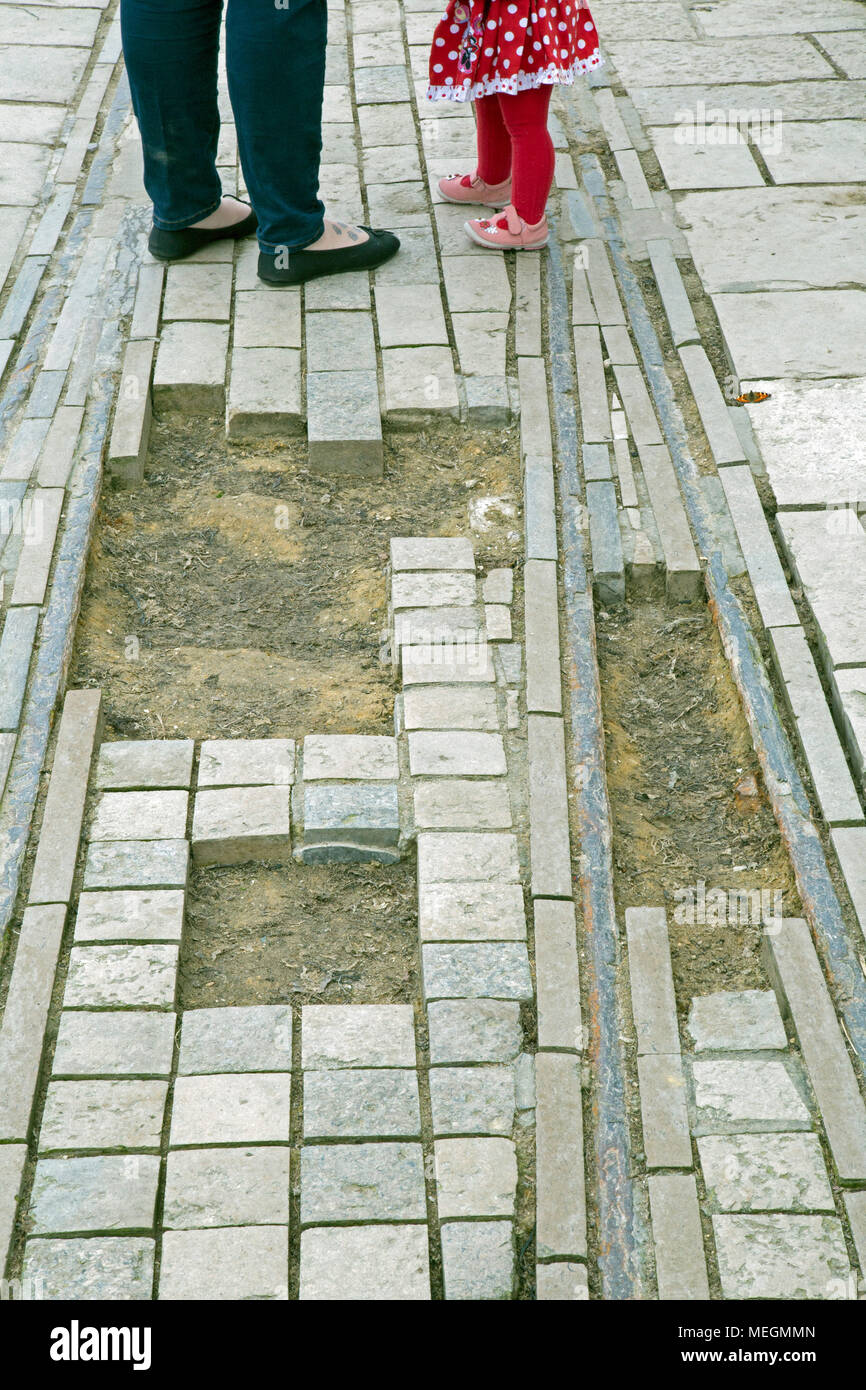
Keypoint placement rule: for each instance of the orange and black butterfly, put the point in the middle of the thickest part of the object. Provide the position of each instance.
(752, 397)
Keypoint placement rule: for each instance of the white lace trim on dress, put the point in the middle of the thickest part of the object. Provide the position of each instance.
(518, 82)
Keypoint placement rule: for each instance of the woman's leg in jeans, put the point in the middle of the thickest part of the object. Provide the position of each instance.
(494, 142)
(276, 72)
(170, 48)
(525, 117)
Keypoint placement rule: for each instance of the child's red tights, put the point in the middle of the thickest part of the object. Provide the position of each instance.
(513, 139)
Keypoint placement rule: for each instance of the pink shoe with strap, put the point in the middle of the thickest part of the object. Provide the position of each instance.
(469, 188)
(509, 232)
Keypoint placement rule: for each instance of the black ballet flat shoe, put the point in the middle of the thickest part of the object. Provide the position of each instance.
(295, 267)
(174, 246)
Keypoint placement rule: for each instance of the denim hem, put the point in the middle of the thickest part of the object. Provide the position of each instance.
(184, 222)
(271, 248)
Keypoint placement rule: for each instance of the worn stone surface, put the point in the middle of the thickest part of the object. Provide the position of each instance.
(651, 980)
(850, 846)
(344, 428)
(253, 1038)
(456, 754)
(781, 1256)
(681, 1269)
(474, 1030)
(13, 1158)
(447, 663)
(437, 628)
(419, 384)
(746, 1096)
(362, 1182)
(101, 1193)
(557, 976)
(549, 840)
(736, 1021)
(114, 1268)
(25, 1015)
(16, 646)
(657, 63)
(189, 375)
(125, 976)
(247, 762)
(759, 551)
(231, 1109)
(809, 434)
(113, 1043)
(447, 857)
(233, 1262)
(361, 1104)
(357, 1035)
(267, 320)
(477, 1260)
(664, 1113)
(432, 589)
(492, 970)
(794, 334)
(102, 1115)
(831, 568)
(238, 824)
(472, 1100)
(561, 1198)
(471, 912)
(227, 1187)
(561, 1281)
(130, 915)
(197, 292)
(137, 864)
(264, 395)
(712, 407)
(126, 765)
(475, 1177)
(461, 804)
(357, 814)
(699, 164)
(765, 1172)
(157, 815)
(345, 756)
(409, 316)
(543, 682)
(365, 1263)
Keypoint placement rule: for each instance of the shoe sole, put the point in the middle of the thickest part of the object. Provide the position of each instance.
(491, 246)
(226, 234)
(478, 202)
(301, 278)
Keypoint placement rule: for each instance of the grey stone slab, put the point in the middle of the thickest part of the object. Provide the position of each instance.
(797, 334)
(34, 561)
(493, 970)
(24, 448)
(267, 320)
(488, 401)
(130, 916)
(13, 1158)
(781, 1257)
(498, 586)
(227, 1187)
(476, 285)
(410, 316)
(113, 1267)
(226, 1264)
(591, 385)
(681, 1269)
(809, 434)
(362, 1182)
(736, 1021)
(347, 852)
(475, 1177)
(596, 462)
(848, 50)
(850, 847)
(361, 1104)
(235, 1108)
(675, 299)
(855, 1206)
(21, 296)
(238, 824)
(561, 1281)
(543, 679)
(815, 152)
(497, 621)
(449, 857)
(112, 1043)
(357, 1035)
(698, 163)
(121, 976)
(746, 1096)
(535, 437)
(549, 841)
(560, 1191)
(402, 205)
(472, 1100)
(339, 341)
(432, 553)
(374, 86)
(539, 509)
(247, 762)
(723, 438)
(57, 852)
(189, 375)
(437, 628)
(433, 589)
(158, 815)
(16, 646)
(759, 551)
(831, 569)
(765, 1172)
(800, 980)
(360, 814)
(457, 803)
(386, 125)
(477, 1260)
(454, 708)
(197, 292)
(264, 395)
(608, 564)
(638, 405)
(137, 864)
(474, 1030)
(664, 1112)
(683, 572)
(344, 428)
(141, 763)
(799, 100)
(96, 1114)
(652, 983)
(655, 63)
(104, 1192)
(349, 756)
(456, 754)
(350, 290)
(419, 385)
(364, 1263)
(25, 1015)
(557, 977)
(471, 912)
(251, 1038)
(510, 665)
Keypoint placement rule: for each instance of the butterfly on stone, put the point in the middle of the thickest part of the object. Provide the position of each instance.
(752, 397)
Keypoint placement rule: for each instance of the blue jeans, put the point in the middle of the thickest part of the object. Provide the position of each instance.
(275, 57)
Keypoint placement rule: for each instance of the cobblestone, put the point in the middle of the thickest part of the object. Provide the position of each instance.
(230, 1263)
(471, 912)
(543, 680)
(434, 589)
(360, 1104)
(419, 384)
(781, 1256)
(494, 970)
(737, 1021)
(137, 864)
(227, 1187)
(189, 375)
(457, 708)
(461, 804)
(237, 825)
(114, 1267)
(557, 976)
(663, 1110)
(25, 1016)
(102, 1115)
(144, 763)
(745, 1096)
(472, 1100)
(130, 916)
(759, 1172)
(358, 1263)
(561, 1281)
(651, 980)
(357, 1035)
(231, 1109)
(264, 395)
(113, 1043)
(348, 756)
(148, 815)
(121, 976)
(362, 1182)
(475, 1177)
(453, 858)
(454, 754)
(344, 428)
(473, 1030)
(100, 1193)
(252, 1038)
(477, 1260)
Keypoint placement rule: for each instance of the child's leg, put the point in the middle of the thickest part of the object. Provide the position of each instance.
(525, 118)
(494, 142)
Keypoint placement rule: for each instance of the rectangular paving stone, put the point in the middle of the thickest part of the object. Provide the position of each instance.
(543, 679)
(456, 754)
(675, 299)
(728, 60)
(121, 976)
(34, 563)
(16, 646)
(343, 424)
(102, 1115)
(681, 1267)
(433, 589)
(473, 1030)
(45, 394)
(460, 707)
(463, 857)
(145, 815)
(128, 915)
(539, 509)
(231, 1109)
(477, 1260)
(410, 316)
(189, 375)
(605, 295)
(13, 1157)
(264, 395)
(475, 1177)
(527, 330)
(472, 1100)
(557, 977)
(471, 912)
(549, 842)
(850, 847)
(723, 438)
(461, 804)
(855, 1206)
(651, 980)
(25, 1015)
(111, 1043)
(373, 86)
(696, 163)
(476, 285)
(225, 1264)
(104, 1192)
(349, 756)
(608, 565)
(419, 385)
(340, 341)
(247, 762)
(797, 333)
(57, 852)
(850, 702)
(737, 1021)
(591, 385)
(362, 1182)
(561, 1281)
(831, 568)
(148, 300)
(362, 1263)
(445, 664)
(113, 1267)
(683, 571)
(141, 763)
(358, 1104)
(357, 815)
(663, 1110)
(23, 449)
(493, 970)
(800, 982)
(535, 434)
(432, 553)
(746, 1096)
(240, 824)
(227, 1187)
(437, 628)
(253, 1038)
(760, 1172)
(781, 1257)
(357, 1035)
(137, 864)
(130, 433)
(765, 571)
(497, 621)
(560, 1193)
(267, 320)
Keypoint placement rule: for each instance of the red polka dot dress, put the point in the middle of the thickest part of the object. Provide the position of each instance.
(486, 46)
